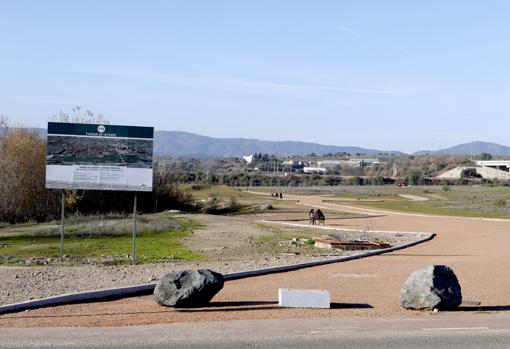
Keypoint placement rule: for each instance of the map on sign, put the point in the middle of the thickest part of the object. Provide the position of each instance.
(99, 157)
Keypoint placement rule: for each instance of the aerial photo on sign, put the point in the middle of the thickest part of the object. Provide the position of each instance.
(99, 157)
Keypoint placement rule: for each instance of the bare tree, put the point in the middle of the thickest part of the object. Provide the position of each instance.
(4, 124)
(80, 116)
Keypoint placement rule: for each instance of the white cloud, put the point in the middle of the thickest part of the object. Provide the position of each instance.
(234, 83)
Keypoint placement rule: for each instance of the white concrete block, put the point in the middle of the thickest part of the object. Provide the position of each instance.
(293, 298)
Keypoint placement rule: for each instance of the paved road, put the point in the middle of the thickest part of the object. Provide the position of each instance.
(442, 331)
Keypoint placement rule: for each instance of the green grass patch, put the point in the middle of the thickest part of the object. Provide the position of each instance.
(434, 208)
(219, 191)
(109, 241)
(363, 197)
(462, 201)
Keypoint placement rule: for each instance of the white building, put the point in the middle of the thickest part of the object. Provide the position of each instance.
(319, 170)
(248, 158)
(352, 162)
(332, 163)
(359, 162)
(502, 165)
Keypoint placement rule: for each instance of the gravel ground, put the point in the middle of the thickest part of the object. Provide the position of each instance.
(227, 240)
(25, 283)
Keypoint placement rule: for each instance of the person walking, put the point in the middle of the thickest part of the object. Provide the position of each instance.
(320, 217)
(311, 215)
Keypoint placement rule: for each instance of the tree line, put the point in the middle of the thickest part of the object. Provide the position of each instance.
(23, 196)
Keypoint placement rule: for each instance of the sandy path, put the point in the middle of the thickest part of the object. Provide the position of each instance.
(413, 197)
(476, 249)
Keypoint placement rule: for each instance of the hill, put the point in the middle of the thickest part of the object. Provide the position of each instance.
(176, 143)
(474, 148)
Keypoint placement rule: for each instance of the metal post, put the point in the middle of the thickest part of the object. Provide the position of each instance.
(62, 227)
(133, 254)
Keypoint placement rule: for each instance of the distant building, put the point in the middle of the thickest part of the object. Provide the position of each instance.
(332, 163)
(248, 158)
(295, 164)
(318, 170)
(361, 162)
(352, 162)
(502, 165)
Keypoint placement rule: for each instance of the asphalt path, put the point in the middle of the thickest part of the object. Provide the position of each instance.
(442, 331)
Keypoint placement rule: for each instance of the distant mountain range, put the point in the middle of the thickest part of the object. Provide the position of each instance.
(184, 144)
(175, 143)
(474, 148)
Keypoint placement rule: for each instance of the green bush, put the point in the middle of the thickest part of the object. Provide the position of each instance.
(470, 173)
(500, 203)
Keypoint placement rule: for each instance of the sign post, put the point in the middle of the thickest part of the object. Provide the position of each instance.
(133, 256)
(62, 227)
(99, 157)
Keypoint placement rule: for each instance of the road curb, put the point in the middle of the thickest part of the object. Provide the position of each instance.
(147, 289)
(282, 269)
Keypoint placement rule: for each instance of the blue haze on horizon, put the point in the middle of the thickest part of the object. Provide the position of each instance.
(391, 75)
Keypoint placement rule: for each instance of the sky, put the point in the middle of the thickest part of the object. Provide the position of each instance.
(390, 75)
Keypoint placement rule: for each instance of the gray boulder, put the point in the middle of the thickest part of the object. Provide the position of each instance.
(266, 207)
(434, 286)
(188, 288)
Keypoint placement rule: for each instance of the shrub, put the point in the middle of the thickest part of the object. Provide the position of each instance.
(233, 204)
(500, 203)
(414, 178)
(470, 173)
(486, 156)
(23, 196)
(212, 205)
(198, 187)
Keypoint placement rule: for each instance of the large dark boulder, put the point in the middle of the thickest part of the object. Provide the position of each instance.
(188, 288)
(434, 286)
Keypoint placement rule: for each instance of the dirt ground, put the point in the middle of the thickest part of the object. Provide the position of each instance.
(476, 249)
(227, 243)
